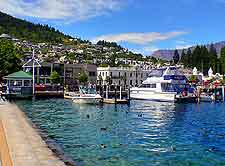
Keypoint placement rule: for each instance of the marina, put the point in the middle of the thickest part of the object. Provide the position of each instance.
(92, 83)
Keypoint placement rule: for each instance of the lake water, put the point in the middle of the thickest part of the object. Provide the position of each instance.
(142, 134)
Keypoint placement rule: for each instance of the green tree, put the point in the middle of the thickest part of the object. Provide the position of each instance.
(9, 58)
(54, 77)
(196, 61)
(83, 78)
(213, 58)
(204, 56)
(176, 57)
(184, 58)
(222, 60)
(189, 58)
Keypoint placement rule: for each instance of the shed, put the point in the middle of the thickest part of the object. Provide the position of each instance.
(18, 84)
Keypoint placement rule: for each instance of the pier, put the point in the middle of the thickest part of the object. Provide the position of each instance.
(21, 145)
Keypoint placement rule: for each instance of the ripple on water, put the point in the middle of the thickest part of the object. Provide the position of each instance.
(146, 133)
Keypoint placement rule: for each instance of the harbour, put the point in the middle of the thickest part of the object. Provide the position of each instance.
(92, 83)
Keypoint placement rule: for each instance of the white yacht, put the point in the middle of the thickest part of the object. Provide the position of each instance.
(162, 84)
(87, 96)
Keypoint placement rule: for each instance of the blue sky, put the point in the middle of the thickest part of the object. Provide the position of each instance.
(140, 25)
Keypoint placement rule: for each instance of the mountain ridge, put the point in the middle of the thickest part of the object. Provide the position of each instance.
(167, 54)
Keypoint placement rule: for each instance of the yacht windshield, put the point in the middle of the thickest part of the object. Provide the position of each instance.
(86, 90)
(166, 87)
(156, 73)
(174, 71)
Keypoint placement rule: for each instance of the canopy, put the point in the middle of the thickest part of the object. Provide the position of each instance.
(20, 75)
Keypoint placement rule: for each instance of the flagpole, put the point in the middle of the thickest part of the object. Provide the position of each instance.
(33, 74)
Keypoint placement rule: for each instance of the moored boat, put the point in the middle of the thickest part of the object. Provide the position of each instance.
(163, 84)
(87, 96)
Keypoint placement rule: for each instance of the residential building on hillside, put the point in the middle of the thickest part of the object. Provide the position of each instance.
(124, 76)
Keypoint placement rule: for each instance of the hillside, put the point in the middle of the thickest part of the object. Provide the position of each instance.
(52, 45)
(25, 30)
(168, 54)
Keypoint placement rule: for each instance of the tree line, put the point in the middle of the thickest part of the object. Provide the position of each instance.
(202, 58)
(25, 30)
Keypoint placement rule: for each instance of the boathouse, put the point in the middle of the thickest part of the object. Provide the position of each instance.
(18, 85)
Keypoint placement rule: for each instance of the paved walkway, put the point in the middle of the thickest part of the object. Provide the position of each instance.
(26, 147)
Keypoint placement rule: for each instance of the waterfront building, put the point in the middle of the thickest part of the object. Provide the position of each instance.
(18, 85)
(69, 73)
(124, 76)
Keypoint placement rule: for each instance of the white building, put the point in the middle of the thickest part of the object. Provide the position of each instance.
(133, 76)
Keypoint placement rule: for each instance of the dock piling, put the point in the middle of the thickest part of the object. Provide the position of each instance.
(115, 94)
(223, 93)
(120, 92)
(107, 91)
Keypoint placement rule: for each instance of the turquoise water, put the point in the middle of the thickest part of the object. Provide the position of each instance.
(142, 134)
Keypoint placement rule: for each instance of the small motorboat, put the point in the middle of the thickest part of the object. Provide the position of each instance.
(204, 97)
(87, 96)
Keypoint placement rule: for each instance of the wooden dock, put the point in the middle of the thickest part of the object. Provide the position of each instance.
(117, 101)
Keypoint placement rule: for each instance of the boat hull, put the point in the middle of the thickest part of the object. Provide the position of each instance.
(87, 100)
(153, 96)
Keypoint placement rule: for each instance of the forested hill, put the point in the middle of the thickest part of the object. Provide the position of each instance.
(22, 29)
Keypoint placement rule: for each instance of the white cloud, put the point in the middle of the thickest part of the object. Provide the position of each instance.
(148, 50)
(139, 38)
(183, 46)
(69, 10)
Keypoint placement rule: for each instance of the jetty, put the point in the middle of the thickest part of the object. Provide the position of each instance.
(21, 145)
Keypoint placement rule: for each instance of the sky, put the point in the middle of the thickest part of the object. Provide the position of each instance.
(143, 26)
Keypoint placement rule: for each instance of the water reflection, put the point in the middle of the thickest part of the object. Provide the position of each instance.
(144, 133)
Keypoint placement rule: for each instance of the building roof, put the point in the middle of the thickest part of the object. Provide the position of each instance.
(5, 36)
(19, 75)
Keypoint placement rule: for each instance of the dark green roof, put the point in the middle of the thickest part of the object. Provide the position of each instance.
(19, 75)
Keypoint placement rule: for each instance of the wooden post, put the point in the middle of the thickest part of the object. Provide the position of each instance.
(129, 94)
(107, 91)
(115, 94)
(120, 92)
(223, 93)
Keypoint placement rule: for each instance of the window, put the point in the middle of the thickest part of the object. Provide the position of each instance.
(152, 85)
(148, 86)
(130, 74)
(103, 74)
(125, 74)
(16, 83)
(92, 74)
(119, 74)
(141, 75)
(119, 82)
(26, 82)
(131, 82)
(111, 74)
